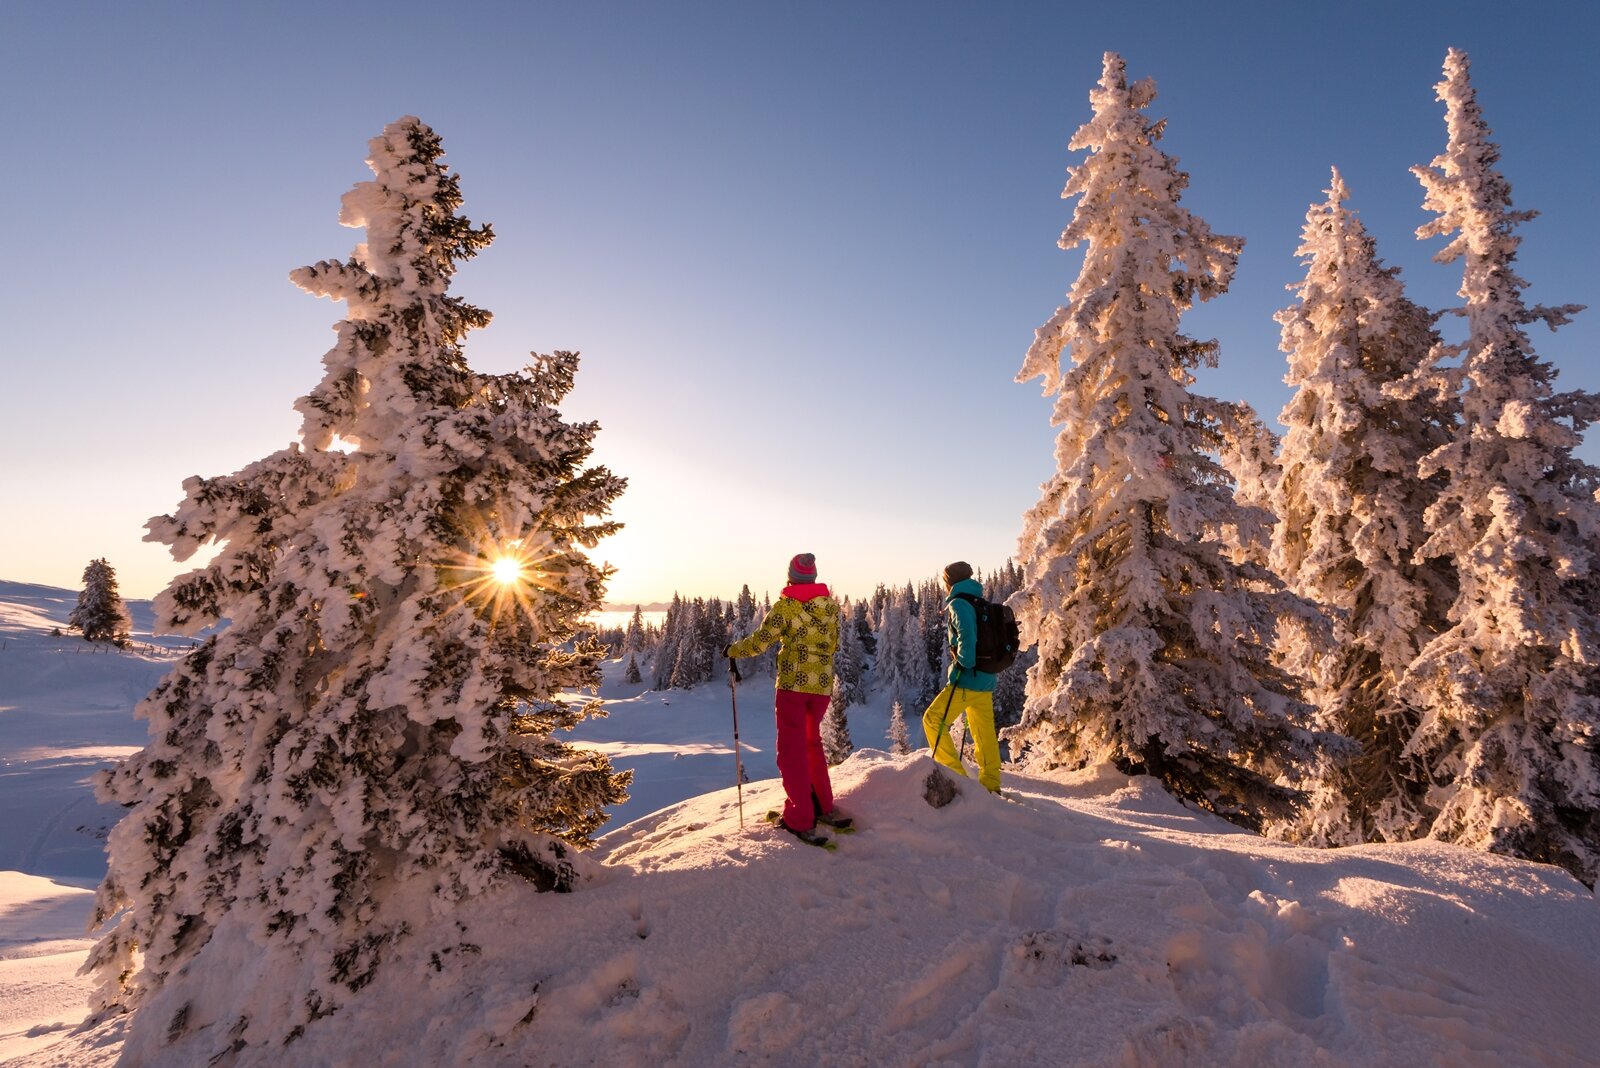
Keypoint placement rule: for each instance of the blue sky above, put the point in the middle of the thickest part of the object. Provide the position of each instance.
(802, 247)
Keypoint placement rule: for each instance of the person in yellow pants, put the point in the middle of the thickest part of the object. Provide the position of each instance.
(968, 692)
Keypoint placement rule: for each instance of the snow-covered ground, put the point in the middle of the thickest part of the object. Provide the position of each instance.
(1091, 920)
(65, 710)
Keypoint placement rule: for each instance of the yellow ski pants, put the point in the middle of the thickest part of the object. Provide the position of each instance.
(978, 707)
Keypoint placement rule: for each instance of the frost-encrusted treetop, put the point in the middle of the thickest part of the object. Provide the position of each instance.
(1510, 697)
(379, 710)
(1137, 237)
(1350, 508)
(1154, 645)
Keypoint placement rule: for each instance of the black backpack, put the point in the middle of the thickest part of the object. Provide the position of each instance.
(999, 638)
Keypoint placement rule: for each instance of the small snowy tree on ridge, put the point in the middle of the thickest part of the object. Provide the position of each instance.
(1510, 702)
(379, 712)
(1350, 507)
(100, 614)
(836, 743)
(899, 737)
(1155, 645)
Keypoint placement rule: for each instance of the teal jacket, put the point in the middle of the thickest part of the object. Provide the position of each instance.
(963, 638)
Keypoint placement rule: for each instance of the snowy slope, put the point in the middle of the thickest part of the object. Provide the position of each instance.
(1092, 921)
(66, 710)
(1095, 922)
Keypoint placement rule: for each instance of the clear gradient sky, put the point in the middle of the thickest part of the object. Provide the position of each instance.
(750, 218)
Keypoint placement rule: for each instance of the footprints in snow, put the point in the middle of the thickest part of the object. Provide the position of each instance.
(641, 926)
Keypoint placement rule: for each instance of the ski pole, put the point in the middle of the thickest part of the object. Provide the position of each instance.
(738, 759)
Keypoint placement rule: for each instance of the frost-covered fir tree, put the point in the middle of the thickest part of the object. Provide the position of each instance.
(665, 659)
(932, 623)
(836, 744)
(764, 663)
(744, 611)
(860, 623)
(100, 614)
(375, 726)
(692, 665)
(631, 673)
(849, 666)
(1510, 711)
(899, 737)
(901, 671)
(633, 640)
(1154, 644)
(1350, 503)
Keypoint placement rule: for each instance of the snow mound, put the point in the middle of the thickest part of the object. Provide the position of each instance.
(1085, 919)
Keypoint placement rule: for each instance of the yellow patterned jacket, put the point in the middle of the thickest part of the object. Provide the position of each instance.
(806, 620)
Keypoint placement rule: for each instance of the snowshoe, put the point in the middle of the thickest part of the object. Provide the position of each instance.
(811, 838)
(838, 821)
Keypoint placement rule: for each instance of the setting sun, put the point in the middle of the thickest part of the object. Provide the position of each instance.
(507, 570)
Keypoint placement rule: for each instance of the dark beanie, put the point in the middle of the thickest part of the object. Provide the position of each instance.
(803, 568)
(956, 572)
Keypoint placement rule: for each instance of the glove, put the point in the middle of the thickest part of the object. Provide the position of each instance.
(727, 651)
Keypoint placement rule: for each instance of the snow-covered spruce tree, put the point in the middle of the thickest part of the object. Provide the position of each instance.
(1510, 725)
(100, 614)
(744, 611)
(1350, 504)
(692, 665)
(666, 654)
(836, 743)
(901, 671)
(1154, 644)
(859, 622)
(849, 665)
(633, 641)
(376, 721)
(631, 673)
(899, 737)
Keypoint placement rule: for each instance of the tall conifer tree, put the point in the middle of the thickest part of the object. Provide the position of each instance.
(377, 720)
(1154, 643)
(1510, 710)
(1350, 507)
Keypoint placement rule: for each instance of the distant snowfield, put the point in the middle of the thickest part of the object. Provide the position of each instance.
(1091, 921)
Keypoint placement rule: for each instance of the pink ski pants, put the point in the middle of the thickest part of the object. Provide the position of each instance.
(801, 761)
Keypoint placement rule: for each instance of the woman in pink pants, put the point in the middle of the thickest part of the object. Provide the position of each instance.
(805, 620)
